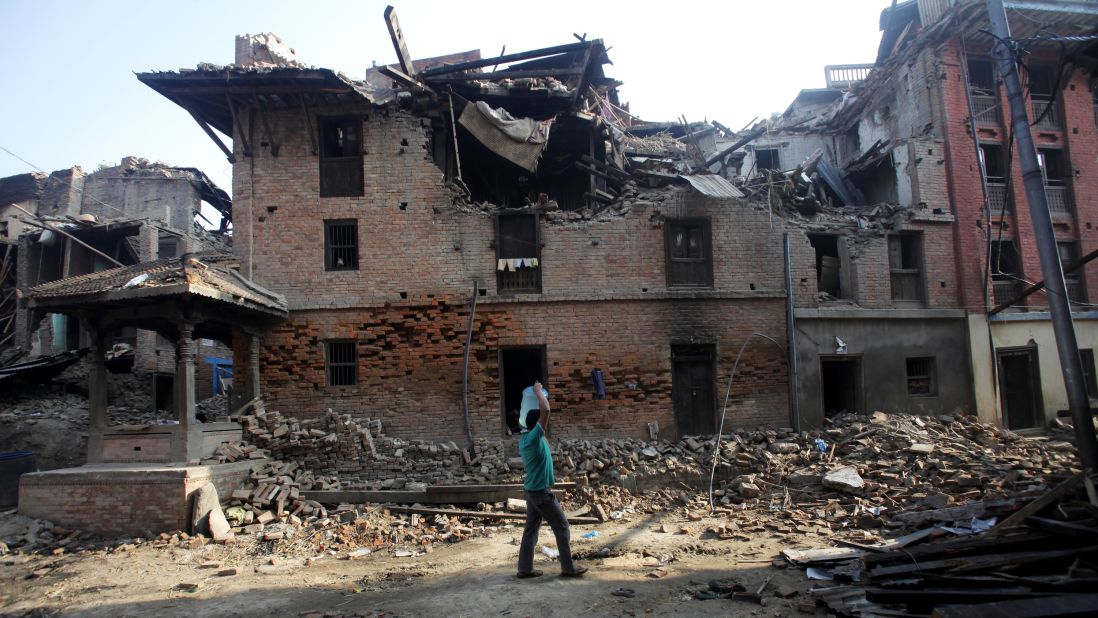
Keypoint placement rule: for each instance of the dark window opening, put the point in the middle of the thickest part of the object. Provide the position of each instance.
(518, 254)
(842, 384)
(1053, 166)
(1073, 281)
(829, 274)
(993, 162)
(167, 246)
(342, 363)
(921, 378)
(1042, 81)
(981, 76)
(1087, 357)
(4, 229)
(341, 244)
(341, 157)
(519, 367)
(689, 254)
(877, 181)
(1046, 109)
(905, 261)
(767, 159)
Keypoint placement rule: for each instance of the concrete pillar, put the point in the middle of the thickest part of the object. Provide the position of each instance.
(253, 366)
(97, 395)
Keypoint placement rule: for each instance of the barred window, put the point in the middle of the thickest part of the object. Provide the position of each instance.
(921, 380)
(341, 245)
(342, 363)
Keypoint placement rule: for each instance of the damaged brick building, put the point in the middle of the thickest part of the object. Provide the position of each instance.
(380, 225)
(70, 223)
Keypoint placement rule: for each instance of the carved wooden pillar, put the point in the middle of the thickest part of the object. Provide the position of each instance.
(253, 366)
(184, 375)
(97, 393)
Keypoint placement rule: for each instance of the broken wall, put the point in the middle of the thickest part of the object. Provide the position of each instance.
(604, 302)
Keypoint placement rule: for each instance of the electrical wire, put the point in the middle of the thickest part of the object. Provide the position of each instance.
(724, 409)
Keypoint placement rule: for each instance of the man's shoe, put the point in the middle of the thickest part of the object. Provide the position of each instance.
(577, 573)
(529, 574)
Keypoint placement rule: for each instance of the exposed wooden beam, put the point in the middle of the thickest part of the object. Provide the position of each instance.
(404, 80)
(399, 44)
(42, 224)
(217, 140)
(239, 128)
(505, 74)
(266, 125)
(526, 55)
(308, 123)
(222, 88)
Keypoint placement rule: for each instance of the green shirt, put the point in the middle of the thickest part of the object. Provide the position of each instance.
(537, 460)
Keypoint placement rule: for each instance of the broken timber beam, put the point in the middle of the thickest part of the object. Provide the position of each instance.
(481, 514)
(398, 42)
(526, 55)
(1019, 517)
(1047, 607)
(407, 81)
(740, 143)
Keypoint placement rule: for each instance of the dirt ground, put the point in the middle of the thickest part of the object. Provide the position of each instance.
(471, 578)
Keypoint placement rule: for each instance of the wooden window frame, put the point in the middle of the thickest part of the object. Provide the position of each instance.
(898, 269)
(331, 165)
(504, 279)
(705, 224)
(330, 364)
(330, 248)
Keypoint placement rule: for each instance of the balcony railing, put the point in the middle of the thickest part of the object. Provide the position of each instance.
(997, 199)
(1059, 200)
(1051, 120)
(521, 280)
(846, 75)
(986, 109)
(1005, 291)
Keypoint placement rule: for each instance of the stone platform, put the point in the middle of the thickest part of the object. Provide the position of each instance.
(125, 499)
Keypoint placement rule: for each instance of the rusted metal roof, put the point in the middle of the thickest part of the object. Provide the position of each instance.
(712, 185)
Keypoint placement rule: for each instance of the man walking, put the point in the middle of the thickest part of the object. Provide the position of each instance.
(541, 504)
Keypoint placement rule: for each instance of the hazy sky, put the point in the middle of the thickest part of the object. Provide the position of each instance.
(70, 96)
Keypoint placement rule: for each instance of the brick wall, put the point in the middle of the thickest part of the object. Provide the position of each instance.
(605, 300)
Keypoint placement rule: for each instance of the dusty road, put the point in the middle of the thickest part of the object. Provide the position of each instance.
(471, 578)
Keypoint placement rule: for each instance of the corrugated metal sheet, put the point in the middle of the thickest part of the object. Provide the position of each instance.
(931, 10)
(712, 185)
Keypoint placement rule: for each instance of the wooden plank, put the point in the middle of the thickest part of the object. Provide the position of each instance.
(1062, 606)
(490, 487)
(828, 554)
(399, 44)
(480, 514)
(970, 564)
(526, 55)
(929, 597)
(1038, 505)
(1063, 527)
(955, 513)
(411, 497)
(404, 80)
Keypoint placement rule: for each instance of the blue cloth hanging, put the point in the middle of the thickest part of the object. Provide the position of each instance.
(600, 385)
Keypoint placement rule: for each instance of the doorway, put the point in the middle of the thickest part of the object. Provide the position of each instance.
(692, 378)
(163, 392)
(1020, 387)
(519, 367)
(842, 384)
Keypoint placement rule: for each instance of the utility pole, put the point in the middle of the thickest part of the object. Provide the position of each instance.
(1059, 306)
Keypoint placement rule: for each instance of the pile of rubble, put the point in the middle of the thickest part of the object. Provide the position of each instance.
(356, 449)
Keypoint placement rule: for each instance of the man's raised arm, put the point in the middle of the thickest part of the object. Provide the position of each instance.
(543, 406)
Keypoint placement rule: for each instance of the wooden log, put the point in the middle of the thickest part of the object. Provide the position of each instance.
(1038, 505)
(480, 514)
(971, 564)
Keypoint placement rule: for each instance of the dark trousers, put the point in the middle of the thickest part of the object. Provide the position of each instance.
(543, 505)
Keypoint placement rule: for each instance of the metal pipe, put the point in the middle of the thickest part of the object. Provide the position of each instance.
(791, 327)
(1066, 344)
(465, 369)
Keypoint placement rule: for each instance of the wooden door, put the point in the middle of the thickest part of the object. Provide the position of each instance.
(692, 389)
